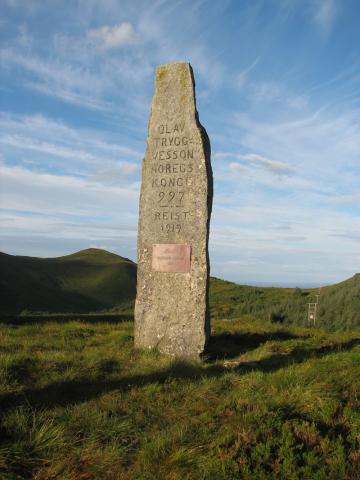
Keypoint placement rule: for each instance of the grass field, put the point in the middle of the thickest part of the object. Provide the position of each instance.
(78, 402)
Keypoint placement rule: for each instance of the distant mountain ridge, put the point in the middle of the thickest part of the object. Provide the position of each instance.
(86, 281)
(95, 280)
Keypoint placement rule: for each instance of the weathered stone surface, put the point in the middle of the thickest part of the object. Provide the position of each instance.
(171, 311)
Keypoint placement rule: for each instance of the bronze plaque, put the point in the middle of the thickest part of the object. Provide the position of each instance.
(171, 257)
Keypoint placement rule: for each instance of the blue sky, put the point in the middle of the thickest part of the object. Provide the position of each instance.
(278, 90)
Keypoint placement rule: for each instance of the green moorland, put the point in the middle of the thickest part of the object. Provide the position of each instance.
(102, 283)
(339, 305)
(77, 402)
(87, 281)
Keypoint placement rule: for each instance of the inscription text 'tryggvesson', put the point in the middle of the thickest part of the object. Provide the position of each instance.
(172, 153)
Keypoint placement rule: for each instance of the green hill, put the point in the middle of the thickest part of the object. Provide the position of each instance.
(86, 281)
(339, 305)
(95, 280)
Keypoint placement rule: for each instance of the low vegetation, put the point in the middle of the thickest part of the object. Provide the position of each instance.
(100, 283)
(87, 281)
(267, 401)
(338, 308)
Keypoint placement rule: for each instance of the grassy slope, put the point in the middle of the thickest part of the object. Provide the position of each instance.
(86, 281)
(339, 305)
(95, 280)
(77, 402)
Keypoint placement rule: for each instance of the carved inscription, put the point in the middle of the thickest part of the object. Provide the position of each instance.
(167, 257)
(172, 171)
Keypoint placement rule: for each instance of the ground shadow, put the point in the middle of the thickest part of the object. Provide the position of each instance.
(74, 391)
(68, 392)
(301, 354)
(231, 345)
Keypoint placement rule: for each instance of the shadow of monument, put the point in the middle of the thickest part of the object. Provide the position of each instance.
(74, 391)
(231, 345)
(301, 354)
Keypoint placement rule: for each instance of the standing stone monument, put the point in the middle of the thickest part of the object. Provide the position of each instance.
(171, 310)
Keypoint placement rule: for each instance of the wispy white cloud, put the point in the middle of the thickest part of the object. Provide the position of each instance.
(56, 225)
(41, 127)
(68, 95)
(274, 166)
(322, 13)
(24, 39)
(312, 248)
(112, 173)
(351, 235)
(107, 170)
(48, 143)
(25, 143)
(53, 70)
(312, 143)
(45, 214)
(325, 13)
(276, 92)
(70, 83)
(242, 77)
(104, 68)
(236, 167)
(159, 26)
(26, 190)
(345, 199)
(117, 36)
(29, 5)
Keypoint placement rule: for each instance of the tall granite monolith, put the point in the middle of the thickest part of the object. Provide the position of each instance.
(171, 310)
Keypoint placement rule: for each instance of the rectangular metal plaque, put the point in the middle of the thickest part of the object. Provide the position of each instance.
(171, 257)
